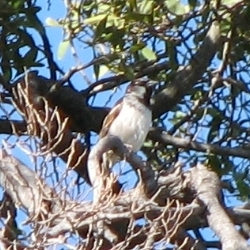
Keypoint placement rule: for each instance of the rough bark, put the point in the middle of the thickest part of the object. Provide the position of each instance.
(187, 77)
(173, 218)
(207, 186)
(159, 135)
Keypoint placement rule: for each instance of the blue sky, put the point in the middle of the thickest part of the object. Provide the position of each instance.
(55, 35)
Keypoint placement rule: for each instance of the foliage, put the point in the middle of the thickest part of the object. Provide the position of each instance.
(198, 52)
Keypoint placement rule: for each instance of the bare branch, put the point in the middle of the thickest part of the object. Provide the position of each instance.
(50, 123)
(99, 174)
(163, 137)
(21, 183)
(12, 127)
(31, 193)
(207, 186)
(114, 81)
(186, 77)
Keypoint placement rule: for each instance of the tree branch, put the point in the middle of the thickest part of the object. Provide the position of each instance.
(159, 135)
(207, 186)
(11, 127)
(60, 216)
(22, 184)
(186, 77)
(99, 174)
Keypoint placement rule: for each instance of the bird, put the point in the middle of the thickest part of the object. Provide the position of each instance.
(130, 119)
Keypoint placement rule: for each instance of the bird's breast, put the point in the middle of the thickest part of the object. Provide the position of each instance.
(132, 125)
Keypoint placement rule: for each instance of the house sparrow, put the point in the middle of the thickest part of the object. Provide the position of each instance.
(130, 119)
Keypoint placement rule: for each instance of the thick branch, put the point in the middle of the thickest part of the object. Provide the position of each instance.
(187, 77)
(155, 134)
(207, 187)
(22, 184)
(159, 135)
(98, 173)
(30, 192)
(83, 118)
(12, 127)
(47, 109)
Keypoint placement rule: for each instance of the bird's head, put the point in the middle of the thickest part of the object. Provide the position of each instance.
(141, 89)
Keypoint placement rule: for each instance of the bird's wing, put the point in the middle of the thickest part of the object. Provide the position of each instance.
(110, 118)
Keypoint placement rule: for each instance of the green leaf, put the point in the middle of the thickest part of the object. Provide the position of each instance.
(17, 4)
(132, 4)
(193, 3)
(103, 69)
(146, 7)
(52, 22)
(176, 7)
(30, 57)
(148, 144)
(230, 3)
(136, 17)
(129, 72)
(214, 162)
(100, 29)
(95, 19)
(62, 49)
(115, 37)
(148, 54)
(104, 8)
(136, 47)
(243, 188)
(180, 114)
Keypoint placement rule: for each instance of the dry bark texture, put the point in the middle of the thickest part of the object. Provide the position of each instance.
(169, 202)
